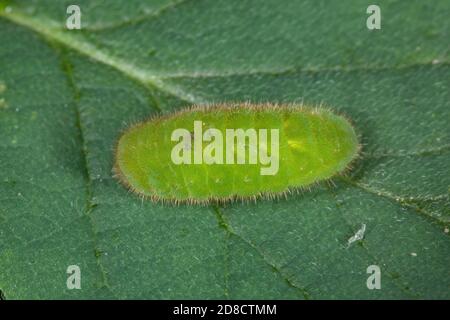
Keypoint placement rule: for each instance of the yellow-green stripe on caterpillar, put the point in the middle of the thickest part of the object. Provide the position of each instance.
(221, 152)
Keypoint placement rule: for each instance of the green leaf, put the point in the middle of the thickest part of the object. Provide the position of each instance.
(65, 96)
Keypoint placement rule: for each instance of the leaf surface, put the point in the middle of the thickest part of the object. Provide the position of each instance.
(65, 96)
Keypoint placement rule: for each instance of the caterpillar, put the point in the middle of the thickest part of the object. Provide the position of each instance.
(222, 152)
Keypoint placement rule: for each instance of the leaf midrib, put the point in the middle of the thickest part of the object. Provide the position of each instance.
(52, 30)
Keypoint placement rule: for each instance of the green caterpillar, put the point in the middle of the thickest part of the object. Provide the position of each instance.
(222, 152)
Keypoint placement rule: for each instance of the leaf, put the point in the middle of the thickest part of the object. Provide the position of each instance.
(65, 96)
